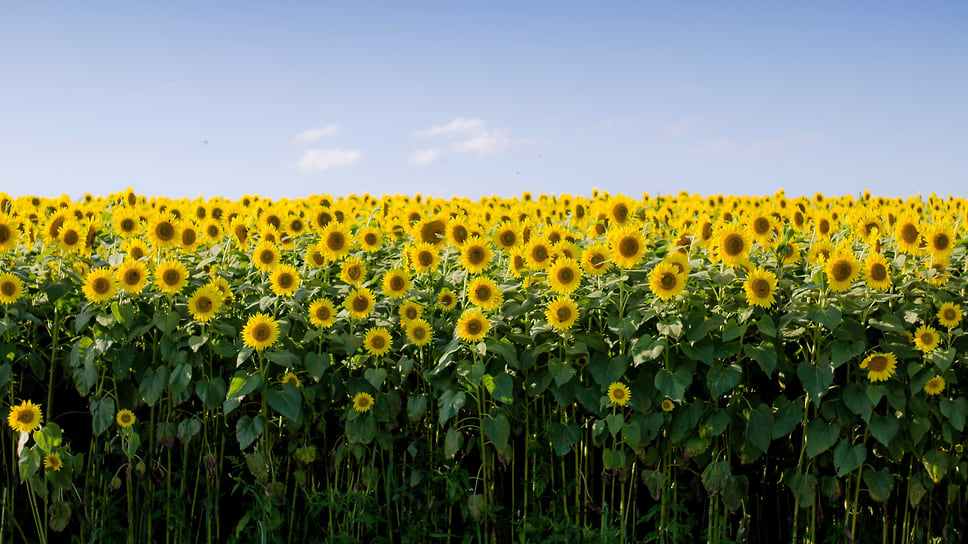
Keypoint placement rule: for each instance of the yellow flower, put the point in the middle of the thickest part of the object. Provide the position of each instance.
(668, 405)
(484, 293)
(418, 332)
(627, 245)
(72, 236)
(472, 325)
(665, 281)
(564, 276)
(285, 280)
(125, 418)
(877, 272)
(8, 233)
(99, 285)
(162, 231)
(506, 236)
(362, 402)
(24, 417)
(926, 338)
(322, 313)
(11, 288)
(934, 386)
(377, 341)
(370, 239)
(475, 255)
(289, 377)
(265, 256)
(205, 303)
(260, 332)
(760, 287)
(880, 366)
(396, 283)
(939, 240)
(171, 277)
(335, 241)
(949, 315)
(359, 303)
(841, 268)
(537, 254)
(618, 394)
(446, 299)
(732, 244)
(53, 461)
(409, 311)
(315, 257)
(353, 271)
(135, 249)
(424, 257)
(562, 313)
(132, 276)
(188, 235)
(907, 234)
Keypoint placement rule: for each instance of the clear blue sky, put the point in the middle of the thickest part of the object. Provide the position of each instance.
(480, 98)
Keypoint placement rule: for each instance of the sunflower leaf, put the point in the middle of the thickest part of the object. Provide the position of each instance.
(248, 429)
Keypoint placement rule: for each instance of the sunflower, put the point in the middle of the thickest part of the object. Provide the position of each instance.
(335, 241)
(627, 246)
(762, 229)
(668, 405)
(926, 338)
(396, 283)
(820, 252)
(322, 313)
(618, 394)
(135, 249)
(564, 276)
(424, 257)
(240, 230)
(621, 209)
(506, 236)
(222, 287)
(72, 236)
(949, 315)
(937, 272)
(939, 240)
(260, 332)
(132, 276)
(934, 386)
(99, 285)
(537, 254)
(418, 332)
(163, 231)
(877, 272)
(880, 366)
(290, 378)
(171, 277)
(562, 313)
(842, 268)
(681, 262)
(265, 256)
(370, 239)
(125, 418)
(53, 461)
(362, 402)
(446, 299)
(212, 230)
(25, 417)
(188, 236)
(907, 234)
(732, 244)
(8, 233)
(472, 326)
(410, 311)
(475, 255)
(595, 260)
(315, 256)
(760, 287)
(205, 303)
(11, 288)
(284, 280)
(484, 293)
(377, 341)
(353, 271)
(430, 230)
(457, 231)
(359, 303)
(665, 281)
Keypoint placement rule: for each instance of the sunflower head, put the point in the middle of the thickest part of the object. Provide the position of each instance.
(926, 338)
(935, 386)
(472, 326)
(446, 299)
(949, 315)
(377, 341)
(732, 244)
(171, 277)
(409, 311)
(418, 332)
(25, 417)
(484, 293)
(335, 240)
(665, 281)
(760, 287)
(284, 280)
(322, 313)
(424, 257)
(265, 256)
(290, 378)
(125, 418)
(359, 303)
(668, 405)
(880, 366)
(618, 394)
(396, 283)
(475, 255)
(205, 303)
(100, 285)
(132, 276)
(877, 272)
(562, 313)
(564, 276)
(841, 269)
(353, 271)
(260, 332)
(11, 288)
(370, 239)
(53, 461)
(362, 402)
(627, 245)
(595, 260)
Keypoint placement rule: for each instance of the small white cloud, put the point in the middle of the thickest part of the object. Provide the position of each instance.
(680, 128)
(459, 126)
(425, 156)
(485, 143)
(313, 134)
(318, 160)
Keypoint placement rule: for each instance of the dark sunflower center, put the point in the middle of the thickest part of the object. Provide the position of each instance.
(474, 326)
(432, 231)
(540, 253)
(360, 304)
(707, 231)
(25, 416)
(518, 262)
(261, 332)
(597, 260)
(286, 280)
(323, 219)
(396, 283)
(335, 241)
(353, 272)
(446, 300)
(878, 272)
(563, 314)
(125, 419)
(242, 233)
(618, 394)
(629, 247)
(734, 245)
(949, 314)
(203, 304)
(418, 332)
(425, 258)
(101, 286)
(823, 226)
(370, 239)
(411, 313)
(565, 275)
(171, 277)
(363, 402)
(189, 237)
(620, 212)
(475, 255)
(761, 225)
(322, 313)
(460, 233)
(378, 342)
(318, 258)
(483, 293)
(296, 225)
(508, 238)
(267, 256)
(941, 242)
(877, 363)
(841, 271)
(909, 233)
(127, 225)
(761, 287)
(165, 231)
(212, 231)
(71, 237)
(668, 280)
(927, 338)
(8, 288)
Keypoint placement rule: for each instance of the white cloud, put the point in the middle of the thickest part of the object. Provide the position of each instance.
(456, 127)
(680, 128)
(313, 134)
(318, 160)
(425, 156)
(485, 143)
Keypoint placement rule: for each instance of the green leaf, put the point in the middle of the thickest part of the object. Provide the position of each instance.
(133, 443)
(829, 317)
(561, 371)
(733, 331)
(715, 424)
(60, 516)
(248, 429)
(153, 384)
(48, 437)
(360, 430)
(716, 477)
(286, 401)
(563, 437)
(804, 488)
(879, 484)
(242, 384)
(282, 357)
(5, 372)
(188, 429)
(211, 393)
(888, 322)
(764, 354)
(842, 351)
(723, 378)
(645, 348)
(759, 428)
(613, 459)
(165, 321)
(673, 385)
(497, 429)
(504, 350)
(820, 437)
(942, 358)
(317, 363)
(848, 458)
(937, 464)
(452, 443)
(816, 379)
(449, 404)
(855, 397)
(417, 407)
(102, 412)
(788, 416)
(375, 376)
(883, 427)
(29, 463)
(615, 422)
(955, 411)
(503, 388)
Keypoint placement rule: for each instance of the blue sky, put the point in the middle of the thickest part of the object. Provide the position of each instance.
(288, 99)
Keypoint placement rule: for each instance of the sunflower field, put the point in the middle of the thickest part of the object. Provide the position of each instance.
(410, 369)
